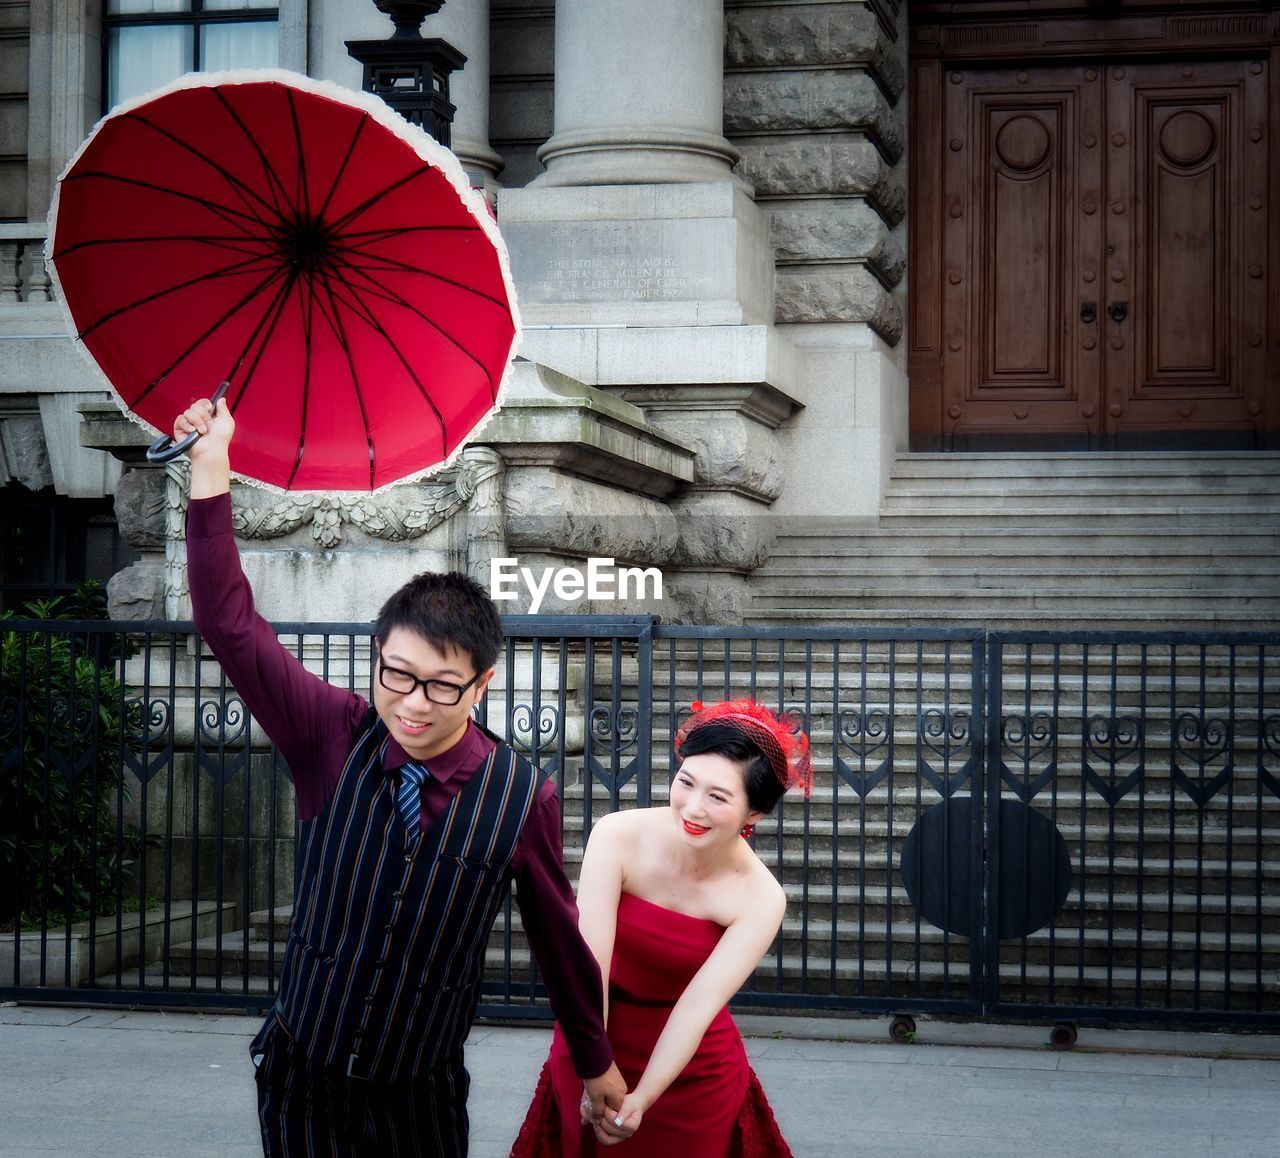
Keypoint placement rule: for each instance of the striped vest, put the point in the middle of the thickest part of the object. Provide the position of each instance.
(385, 956)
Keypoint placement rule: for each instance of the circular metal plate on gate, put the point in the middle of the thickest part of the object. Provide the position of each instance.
(937, 868)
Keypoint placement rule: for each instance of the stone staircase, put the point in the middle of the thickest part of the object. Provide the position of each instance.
(1139, 541)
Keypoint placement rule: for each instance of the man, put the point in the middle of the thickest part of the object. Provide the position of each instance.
(415, 820)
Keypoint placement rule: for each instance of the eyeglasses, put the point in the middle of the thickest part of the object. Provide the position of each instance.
(437, 691)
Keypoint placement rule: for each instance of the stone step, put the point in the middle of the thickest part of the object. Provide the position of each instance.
(982, 518)
(1083, 464)
(996, 497)
(967, 559)
(1161, 550)
(1092, 946)
(1155, 845)
(1160, 799)
(1028, 589)
(1175, 603)
(1011, 542)
(1206, 943)
(1186, 987)
(1256, 580)
(918, 652)
(1100, 618)
(1033, 534)
(900, 979)
(940, 660)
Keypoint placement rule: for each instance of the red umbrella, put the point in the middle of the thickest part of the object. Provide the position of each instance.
(303, 243)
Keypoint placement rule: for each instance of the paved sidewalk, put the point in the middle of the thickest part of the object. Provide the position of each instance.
(81, 1083)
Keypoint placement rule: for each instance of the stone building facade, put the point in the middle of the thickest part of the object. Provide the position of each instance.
(706, 208)
(703, 205)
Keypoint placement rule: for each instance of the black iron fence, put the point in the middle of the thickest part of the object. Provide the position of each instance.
(1068, 826)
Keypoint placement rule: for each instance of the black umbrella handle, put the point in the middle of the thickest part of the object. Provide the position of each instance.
(164, 449)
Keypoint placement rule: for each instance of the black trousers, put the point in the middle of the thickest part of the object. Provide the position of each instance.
(306, 1113)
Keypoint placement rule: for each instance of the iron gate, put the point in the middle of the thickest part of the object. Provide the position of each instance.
(1063, 825)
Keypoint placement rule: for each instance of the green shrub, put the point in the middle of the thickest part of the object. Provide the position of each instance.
(65, 720)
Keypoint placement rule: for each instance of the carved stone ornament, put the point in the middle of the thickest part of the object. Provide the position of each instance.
(177, 596)
(404, 512)
(401, 513)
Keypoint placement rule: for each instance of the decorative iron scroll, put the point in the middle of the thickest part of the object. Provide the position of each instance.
(1200, 742)
(863, 733)
(222, 746)
(1113, 740)
(150, 723)
(1028, 739)
(948, 735)
(536, 733)
(612, 732)
(1269, 742)
(66, 722)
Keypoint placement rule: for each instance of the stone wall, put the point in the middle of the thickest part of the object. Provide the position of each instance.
(812, 102)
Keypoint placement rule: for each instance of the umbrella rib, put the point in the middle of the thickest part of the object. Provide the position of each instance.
(372, 200)
(278, 307)
(305, 308)
(359, 309)
(396, 299)
(235, 244)
(346, 160)
(304, 198)
(273, 178)
(368, 235)
(226, 212)
(335, 321)
(228, 271)
(221, 321)
(376, 261)
(231, 179)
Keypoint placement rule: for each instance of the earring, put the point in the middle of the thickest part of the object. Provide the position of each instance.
(747, 831)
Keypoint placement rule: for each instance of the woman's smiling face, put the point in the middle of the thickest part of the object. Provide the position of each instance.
(709, 799)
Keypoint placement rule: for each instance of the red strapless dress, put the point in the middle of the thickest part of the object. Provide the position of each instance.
(716, 1106)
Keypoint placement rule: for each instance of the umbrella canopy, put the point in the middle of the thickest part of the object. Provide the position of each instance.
(307, 245)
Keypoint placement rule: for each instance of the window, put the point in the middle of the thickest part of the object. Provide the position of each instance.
(49, 544)
(151, 42)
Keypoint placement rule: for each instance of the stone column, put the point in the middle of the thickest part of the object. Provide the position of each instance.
(639, 93)
(465, 25)
(64, 82)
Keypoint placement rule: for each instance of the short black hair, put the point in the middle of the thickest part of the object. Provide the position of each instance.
(764, 789)
(447, 609)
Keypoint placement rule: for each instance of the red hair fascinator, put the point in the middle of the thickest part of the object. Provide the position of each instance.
(786, 751)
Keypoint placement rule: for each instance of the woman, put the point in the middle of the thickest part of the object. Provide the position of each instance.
(678, 910)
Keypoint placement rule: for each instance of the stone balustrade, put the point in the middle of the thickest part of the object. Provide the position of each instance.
(24, 276)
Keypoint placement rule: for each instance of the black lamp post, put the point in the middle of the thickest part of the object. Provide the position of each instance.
(409, 71)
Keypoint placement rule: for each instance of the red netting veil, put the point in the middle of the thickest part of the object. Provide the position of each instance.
(786, 750)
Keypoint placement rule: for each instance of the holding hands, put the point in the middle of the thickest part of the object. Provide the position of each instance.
(618, 1125)
(608, 1107)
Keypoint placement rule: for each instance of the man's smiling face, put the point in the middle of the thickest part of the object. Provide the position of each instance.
(422, 726)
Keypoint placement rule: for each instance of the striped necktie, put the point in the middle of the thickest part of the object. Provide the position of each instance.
(410, 799)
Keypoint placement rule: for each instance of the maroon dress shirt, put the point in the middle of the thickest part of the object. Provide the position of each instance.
(313, 724)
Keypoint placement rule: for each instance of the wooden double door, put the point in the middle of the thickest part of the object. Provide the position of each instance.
(1103, 234)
